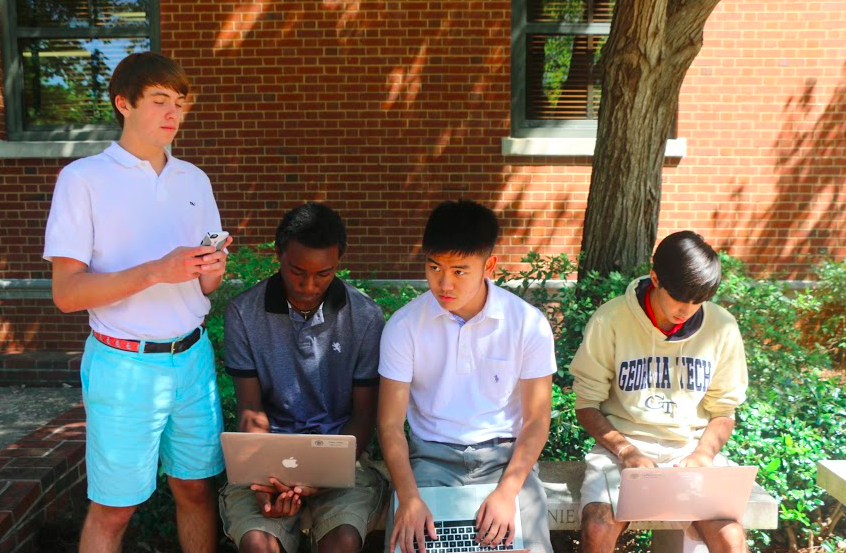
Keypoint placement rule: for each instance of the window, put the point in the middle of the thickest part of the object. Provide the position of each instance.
(58, 56)
(555, 78)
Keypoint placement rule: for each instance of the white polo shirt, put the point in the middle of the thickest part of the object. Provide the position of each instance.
(113, 212)
(465, 380)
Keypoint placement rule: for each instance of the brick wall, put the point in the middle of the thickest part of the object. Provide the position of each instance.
(385, 109)
(29, 324)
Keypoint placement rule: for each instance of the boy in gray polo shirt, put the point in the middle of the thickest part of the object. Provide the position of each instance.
(303, 350)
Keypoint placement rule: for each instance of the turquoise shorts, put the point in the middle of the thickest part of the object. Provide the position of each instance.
(144, 406)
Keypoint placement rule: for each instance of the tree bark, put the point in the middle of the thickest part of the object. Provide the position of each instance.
(649, 50)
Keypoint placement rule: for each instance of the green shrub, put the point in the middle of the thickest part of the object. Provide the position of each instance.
(793, 417)
(822, 311)
(567, 441)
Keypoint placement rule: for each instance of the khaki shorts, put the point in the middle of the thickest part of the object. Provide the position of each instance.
(663, 452)
(360, 507)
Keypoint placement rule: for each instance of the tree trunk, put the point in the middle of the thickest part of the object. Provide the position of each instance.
(650, 48)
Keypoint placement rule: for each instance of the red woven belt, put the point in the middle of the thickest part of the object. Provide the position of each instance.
(176, 346)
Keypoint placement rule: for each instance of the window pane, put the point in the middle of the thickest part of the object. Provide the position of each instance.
(67, 81)
(81, 13)
(562, 76)
(570, 11)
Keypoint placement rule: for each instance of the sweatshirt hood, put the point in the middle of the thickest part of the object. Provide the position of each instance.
(636, 300)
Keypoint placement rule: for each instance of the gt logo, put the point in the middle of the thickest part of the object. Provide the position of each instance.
(660, 403)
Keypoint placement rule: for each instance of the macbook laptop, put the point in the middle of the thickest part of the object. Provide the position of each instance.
(454, 510)
(680, 494)
(321, 461)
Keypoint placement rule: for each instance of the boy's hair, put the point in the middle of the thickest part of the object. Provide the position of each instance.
(138, 71)
(463, 227)
(313, 225)
(687, 267)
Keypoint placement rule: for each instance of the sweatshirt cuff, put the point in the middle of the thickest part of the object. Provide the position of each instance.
(587, 404)
(724, 413)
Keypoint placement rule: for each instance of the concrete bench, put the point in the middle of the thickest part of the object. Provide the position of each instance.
(563, 480)
(831, 476)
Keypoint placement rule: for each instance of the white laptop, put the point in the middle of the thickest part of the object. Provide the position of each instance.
(454, 510)
(680, 494)
(321, 461)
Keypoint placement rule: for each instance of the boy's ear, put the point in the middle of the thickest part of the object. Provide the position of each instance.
(122, 105)
(490, 266)
(654, 278)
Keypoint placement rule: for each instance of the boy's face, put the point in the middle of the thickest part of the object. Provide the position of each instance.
(458, 281)
(155, 116)
(669, 310)
(307, 273)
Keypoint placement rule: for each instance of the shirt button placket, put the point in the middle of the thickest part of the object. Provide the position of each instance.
(464, 360)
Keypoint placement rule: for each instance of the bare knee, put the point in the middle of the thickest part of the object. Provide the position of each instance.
(256, 541)
(723, 535)
(197, 492)
(599, 529)
(111, 520)
(343, 539)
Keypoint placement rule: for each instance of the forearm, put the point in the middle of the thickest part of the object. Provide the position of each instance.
(598, 427)
(360, 426)
(83, 290)
(210, 283)
(527, 449)
(395, 451)
(716, 434)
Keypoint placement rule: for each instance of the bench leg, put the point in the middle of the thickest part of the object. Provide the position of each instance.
(678, 541)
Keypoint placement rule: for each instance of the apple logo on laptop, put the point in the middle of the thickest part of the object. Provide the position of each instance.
(289, 463)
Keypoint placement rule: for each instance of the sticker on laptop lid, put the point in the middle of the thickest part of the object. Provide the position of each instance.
(324, 442)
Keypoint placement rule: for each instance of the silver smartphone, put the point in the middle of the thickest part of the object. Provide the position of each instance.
(216, 239)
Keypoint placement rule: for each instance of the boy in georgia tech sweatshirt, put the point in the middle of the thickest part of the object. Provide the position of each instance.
(657, 379)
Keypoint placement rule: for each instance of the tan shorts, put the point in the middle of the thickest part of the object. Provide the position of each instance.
(665, 453)
(360, 507)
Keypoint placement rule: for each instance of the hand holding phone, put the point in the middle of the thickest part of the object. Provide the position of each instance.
(216, 239)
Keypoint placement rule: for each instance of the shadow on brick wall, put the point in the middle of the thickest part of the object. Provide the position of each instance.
(804, 223)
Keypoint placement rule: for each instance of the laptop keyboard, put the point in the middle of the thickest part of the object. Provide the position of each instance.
(459, 536)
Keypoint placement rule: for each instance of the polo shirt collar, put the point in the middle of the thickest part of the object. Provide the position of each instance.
(122, 156)
(276, 301)
(492, 310)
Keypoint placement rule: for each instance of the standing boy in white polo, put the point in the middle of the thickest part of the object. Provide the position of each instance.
(472, 366)
(122, 236)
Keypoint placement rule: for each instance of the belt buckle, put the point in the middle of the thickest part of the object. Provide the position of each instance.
(173, 346)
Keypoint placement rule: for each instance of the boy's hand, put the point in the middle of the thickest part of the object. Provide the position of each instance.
(214, 263)
(278, 487)
(632, 458)
(181, 265)
(697, 459)
(412, 521)
(283, 505)
(495, 519)
(279, 500)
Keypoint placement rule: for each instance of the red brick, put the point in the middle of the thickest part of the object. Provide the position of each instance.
(18, 498)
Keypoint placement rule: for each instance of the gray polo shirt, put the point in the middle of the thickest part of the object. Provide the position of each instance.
(306, 369)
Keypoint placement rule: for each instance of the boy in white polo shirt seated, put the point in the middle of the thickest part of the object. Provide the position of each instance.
(123, 237)
(471, 365)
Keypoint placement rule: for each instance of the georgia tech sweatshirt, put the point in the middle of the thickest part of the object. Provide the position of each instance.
(649, 386)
